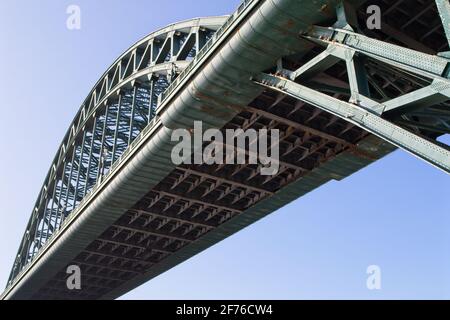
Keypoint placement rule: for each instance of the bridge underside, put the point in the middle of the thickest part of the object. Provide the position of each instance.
(195, 199)
(197, 202)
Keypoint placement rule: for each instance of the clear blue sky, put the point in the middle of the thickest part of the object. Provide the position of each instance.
(394, 214)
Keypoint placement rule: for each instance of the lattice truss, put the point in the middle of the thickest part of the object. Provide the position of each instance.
(116, 111)
(195, 199)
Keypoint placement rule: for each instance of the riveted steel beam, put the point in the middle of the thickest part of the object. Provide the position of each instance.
(143, 61)
(444, 11)
(371, 122)
(344, 44)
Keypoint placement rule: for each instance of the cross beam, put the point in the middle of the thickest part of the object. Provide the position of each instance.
(369, 121)
(444, 12)
(350, 47)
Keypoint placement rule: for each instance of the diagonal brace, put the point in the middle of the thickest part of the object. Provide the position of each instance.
(422, 148)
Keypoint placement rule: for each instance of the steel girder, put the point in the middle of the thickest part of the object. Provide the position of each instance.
(444, 11)
(119, 107)
(367, 120)
(342, 43)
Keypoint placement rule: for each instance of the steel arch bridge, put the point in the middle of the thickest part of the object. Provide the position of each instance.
(341, 95)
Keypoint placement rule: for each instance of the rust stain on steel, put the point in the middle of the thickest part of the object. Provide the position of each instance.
(214, 111)
(362, 153)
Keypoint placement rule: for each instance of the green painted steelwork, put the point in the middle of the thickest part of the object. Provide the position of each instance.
(129, 160)
(132, 75)
(373, 123)
(344, 44)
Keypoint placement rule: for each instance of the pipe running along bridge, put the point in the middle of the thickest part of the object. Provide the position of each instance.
(342, 96)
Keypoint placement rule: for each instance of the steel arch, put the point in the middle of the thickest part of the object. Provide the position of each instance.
(120, 105)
